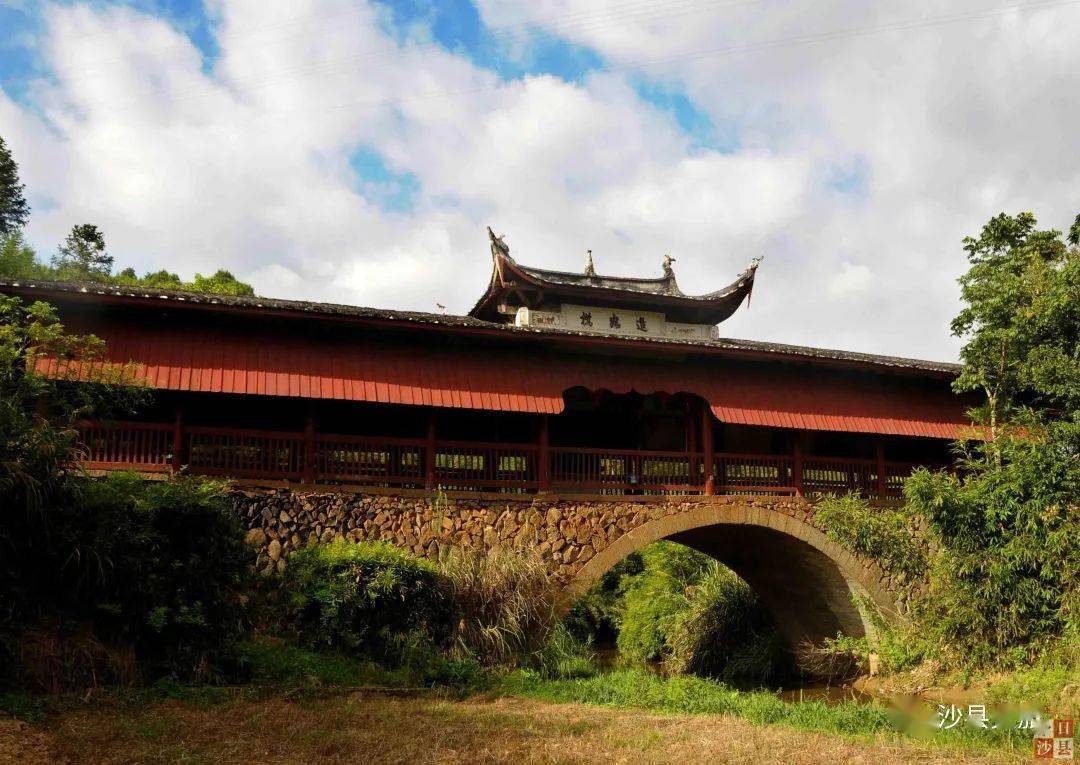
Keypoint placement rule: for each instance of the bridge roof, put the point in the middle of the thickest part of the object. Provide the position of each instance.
(831, 391)
(154, 298)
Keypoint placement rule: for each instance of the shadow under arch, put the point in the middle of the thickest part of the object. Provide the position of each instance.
(812, 585)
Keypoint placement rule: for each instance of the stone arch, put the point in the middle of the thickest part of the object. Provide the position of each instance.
(814, 587)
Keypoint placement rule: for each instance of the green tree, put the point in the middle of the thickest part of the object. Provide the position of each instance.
(1021, 321)
(1005, 577)
(221, 283)
(17, 258)
(14, 209)
(82, 256)
(160, 566)
(1005, 570)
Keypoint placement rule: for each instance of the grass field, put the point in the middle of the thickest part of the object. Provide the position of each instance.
(373, 727)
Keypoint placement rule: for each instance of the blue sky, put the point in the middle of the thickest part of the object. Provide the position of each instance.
(355, 150)
(454, 25)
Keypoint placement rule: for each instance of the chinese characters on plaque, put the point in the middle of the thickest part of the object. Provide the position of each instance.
(613, 321)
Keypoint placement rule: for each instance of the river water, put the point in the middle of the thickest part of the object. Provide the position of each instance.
(608, 657)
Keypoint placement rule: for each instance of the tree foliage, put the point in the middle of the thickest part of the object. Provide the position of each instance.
(221, 282)
(82, 256)
(1021, 318)
(1006, 577)
(14, 209)
(886, 534)
(998, 536)
(155, 566)
(38, 412)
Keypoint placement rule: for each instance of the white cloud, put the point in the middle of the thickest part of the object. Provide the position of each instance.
(852, 279)
(245, 166)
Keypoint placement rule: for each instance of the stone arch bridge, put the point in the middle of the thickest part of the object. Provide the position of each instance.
(814, 587)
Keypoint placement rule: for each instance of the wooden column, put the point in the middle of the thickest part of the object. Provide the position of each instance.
(692, 439)
(880, 455)
(797, 468)
(178, 441)
(309, 450)
(544, 455)
(708, 449)
(429, 453)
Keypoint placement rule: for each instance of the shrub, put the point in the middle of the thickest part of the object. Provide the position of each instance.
(725, 633)
(887, 535)
(503, 603)
(158, 565)
(1006, 575)
(367, 598)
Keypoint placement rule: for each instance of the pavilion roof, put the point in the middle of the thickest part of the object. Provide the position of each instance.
(536, 285)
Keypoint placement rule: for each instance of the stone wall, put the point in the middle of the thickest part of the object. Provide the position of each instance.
(566, 532)
(811, 584)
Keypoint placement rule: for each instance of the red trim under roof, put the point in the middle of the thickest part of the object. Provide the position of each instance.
(228, 360)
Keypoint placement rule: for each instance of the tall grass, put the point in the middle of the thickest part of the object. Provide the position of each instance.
(564, 656)
(504, 601)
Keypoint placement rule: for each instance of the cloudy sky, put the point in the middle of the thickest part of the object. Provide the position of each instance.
(354, 151)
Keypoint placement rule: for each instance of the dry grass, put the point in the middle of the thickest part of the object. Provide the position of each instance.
(506, 602)
(376, 729)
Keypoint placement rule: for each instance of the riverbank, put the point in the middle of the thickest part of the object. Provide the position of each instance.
(343, 727)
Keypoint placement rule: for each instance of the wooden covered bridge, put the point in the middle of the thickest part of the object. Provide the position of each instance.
(556, 388)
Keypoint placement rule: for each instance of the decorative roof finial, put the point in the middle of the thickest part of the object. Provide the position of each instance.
(589, 270)
(669, 273)
(497, 243)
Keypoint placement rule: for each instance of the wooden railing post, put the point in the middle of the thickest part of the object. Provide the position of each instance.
(178, 441)
(544, 455)
(797, 467)
(709, 450)
(881, 482)
(429, 453)
(309, 450)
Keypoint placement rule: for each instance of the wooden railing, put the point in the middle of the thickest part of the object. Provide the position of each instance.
(471, 465)
(132, 445)
(622, 471)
